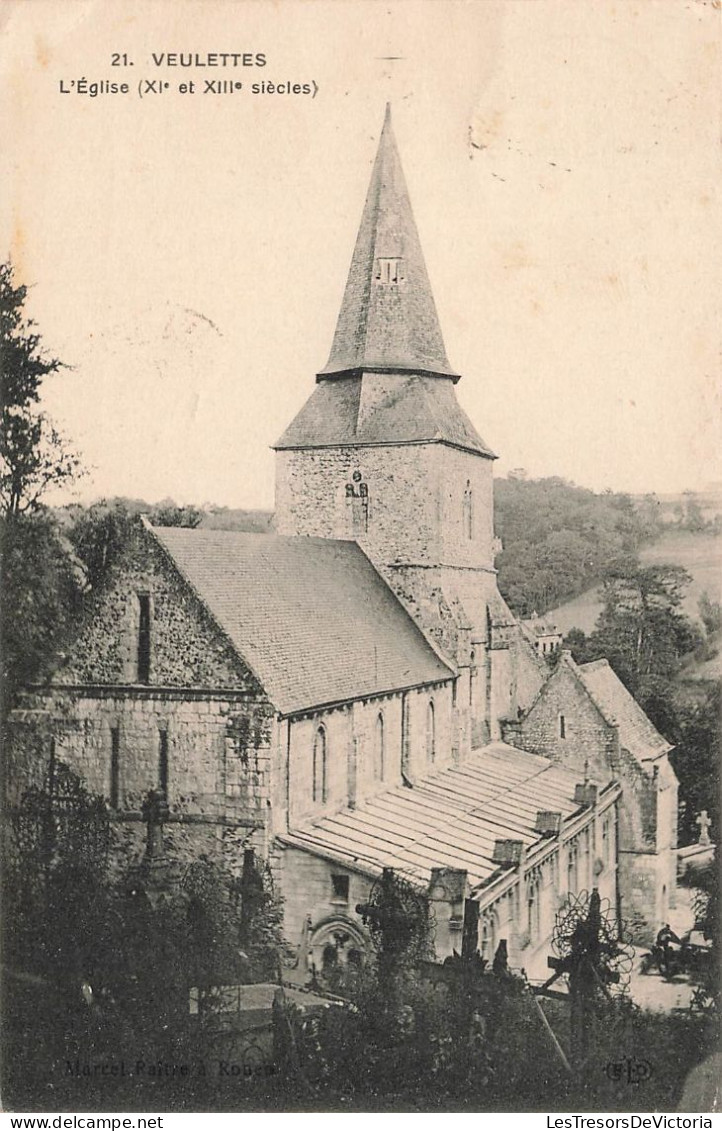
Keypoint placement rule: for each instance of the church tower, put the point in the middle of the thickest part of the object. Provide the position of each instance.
(383, 453)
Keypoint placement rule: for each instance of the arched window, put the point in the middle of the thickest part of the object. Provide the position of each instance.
(487, 936)
(572, 868)
(468, 511)
(430, 732)
(320, 766)
(379, 751)
(357, 503)
(533, 909)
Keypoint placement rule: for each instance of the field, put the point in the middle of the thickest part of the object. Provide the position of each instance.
(700, 554)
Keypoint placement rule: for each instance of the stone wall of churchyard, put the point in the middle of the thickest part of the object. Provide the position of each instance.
(186, 647)
(415, 501)
(350, 734)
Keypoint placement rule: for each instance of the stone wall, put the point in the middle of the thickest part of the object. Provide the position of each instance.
(186, 647)
(564, 705)
(415, 501)
(310, 905)
(351, 738)
(647, 875)
(218, 764)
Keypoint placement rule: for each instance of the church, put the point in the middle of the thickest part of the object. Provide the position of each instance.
(351, 693)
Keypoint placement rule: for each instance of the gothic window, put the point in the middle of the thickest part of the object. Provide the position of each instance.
(389, 270)
(357, 503)
(320, 766)
(143, 656)
(430, 732)
(572, 868)
(487, 936)
(163, 762)
(379, 751)
(114, 767)
(468, 511)
(533, 907)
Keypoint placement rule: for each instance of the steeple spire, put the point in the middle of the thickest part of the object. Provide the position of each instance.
(388, 321)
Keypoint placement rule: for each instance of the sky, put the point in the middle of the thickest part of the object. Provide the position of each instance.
(187, 253)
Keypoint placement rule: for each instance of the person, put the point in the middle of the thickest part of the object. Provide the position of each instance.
(665, 939)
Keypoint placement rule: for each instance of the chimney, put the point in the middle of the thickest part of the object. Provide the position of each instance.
(508, 853)
(585, 795)
(548, 823)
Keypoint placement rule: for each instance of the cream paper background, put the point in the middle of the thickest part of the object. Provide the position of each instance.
(188, 253)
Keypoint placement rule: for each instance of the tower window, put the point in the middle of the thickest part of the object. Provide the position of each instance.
(562, 726)
(143, 638)
(163, 763)
(389, 270)
(320, 766)
(430, 732)
(357, 501)
(379, 752)
(468, 511)
(114, 767)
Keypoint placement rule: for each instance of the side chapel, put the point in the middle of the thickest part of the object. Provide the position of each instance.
(352, 692)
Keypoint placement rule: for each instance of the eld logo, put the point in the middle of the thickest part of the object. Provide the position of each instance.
(629, 1069)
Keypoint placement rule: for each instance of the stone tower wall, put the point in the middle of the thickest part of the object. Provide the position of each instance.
(415, 501)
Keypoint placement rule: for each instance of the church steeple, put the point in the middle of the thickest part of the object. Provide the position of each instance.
(388, 321)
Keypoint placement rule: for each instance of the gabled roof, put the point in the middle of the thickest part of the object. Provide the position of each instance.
(388, 325)
(380, 409)
(540, 626)
(620, 709)
(452, 818)
(310, 616)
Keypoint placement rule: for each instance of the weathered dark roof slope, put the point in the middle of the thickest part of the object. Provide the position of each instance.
(403, 409)
(636, 733)
(311, 616)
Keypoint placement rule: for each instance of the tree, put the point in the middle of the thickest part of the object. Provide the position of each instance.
(710, 613)
(42, 593)
(643, 633)
(33, 454)
(696, 760)
(100, 533)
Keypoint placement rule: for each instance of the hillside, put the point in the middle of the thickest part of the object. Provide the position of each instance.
(699, 554)
(558, 538)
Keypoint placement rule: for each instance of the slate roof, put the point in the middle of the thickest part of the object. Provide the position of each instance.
(450, 819)
(392, 326)
(619, 708)
(311, 616)
(404, 409)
